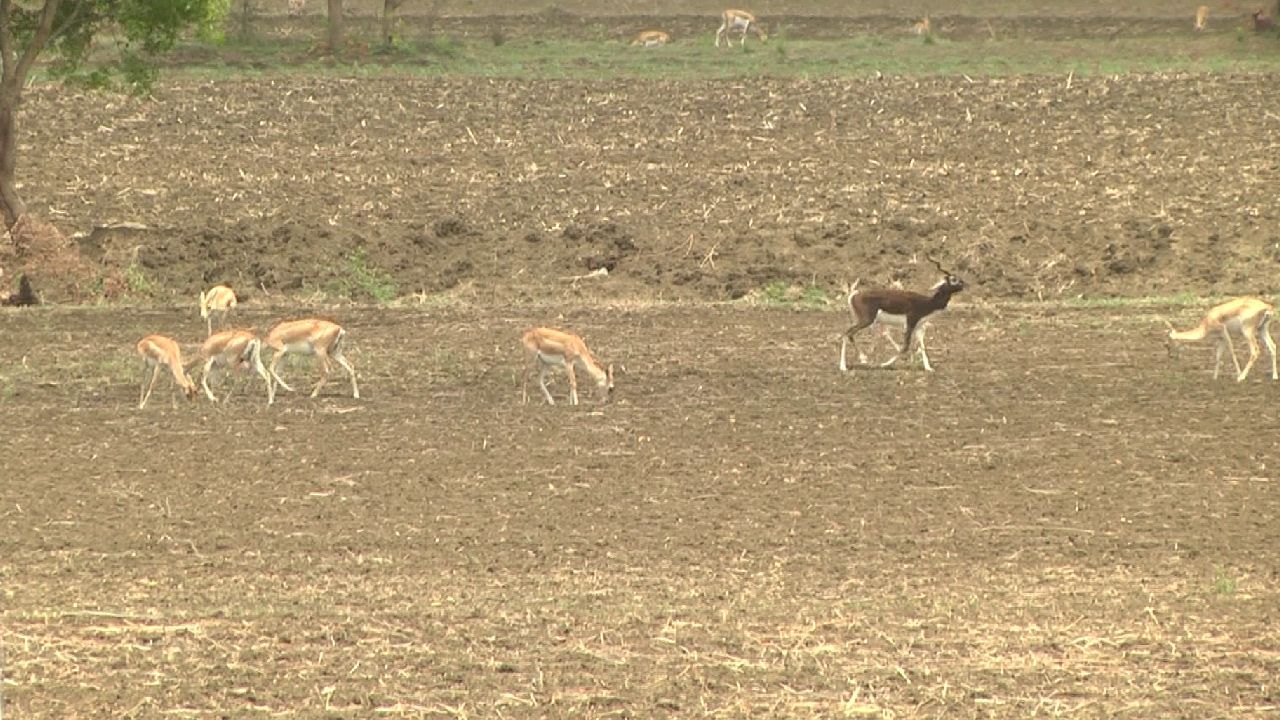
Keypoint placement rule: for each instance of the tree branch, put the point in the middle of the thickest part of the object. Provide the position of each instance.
(37, 42)
(71, 19)
(6, 38)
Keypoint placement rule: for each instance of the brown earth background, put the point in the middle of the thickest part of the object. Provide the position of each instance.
(1032, 187)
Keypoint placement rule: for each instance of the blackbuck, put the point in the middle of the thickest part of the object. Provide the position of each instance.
(219, 299)
(1262, 22)
(738, 20)
(234, 350)
(1202, 17)
(546, 348)
(310, 336)
(1246, 316)
(897, 307)
(157, 351)
(882, 325)
(651, 38)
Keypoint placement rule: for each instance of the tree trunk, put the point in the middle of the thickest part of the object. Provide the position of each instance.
(335, 26)
(388, 11)
(10, 202)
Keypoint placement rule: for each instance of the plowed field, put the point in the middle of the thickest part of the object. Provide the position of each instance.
(1060, 520)
(1063, 520)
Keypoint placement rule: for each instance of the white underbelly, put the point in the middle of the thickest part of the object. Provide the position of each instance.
(885, 318)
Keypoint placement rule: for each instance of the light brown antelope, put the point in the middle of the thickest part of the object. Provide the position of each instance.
(738, 20)
(157, 351)
(233, 350)
(220, 299)
(547, 347)
(923, 27)
(651, 38)
(1202, 17)
(1246, 316)
(310, 336)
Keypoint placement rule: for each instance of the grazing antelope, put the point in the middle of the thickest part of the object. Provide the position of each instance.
(1262, 22)
(731, 20)
(545, 347)
(157, 350)
(897, 307)
(233, 349)
(923, 27)
(651, 38)
(219, 299)
(1202, 17)
(312, 336)
(1246, 316)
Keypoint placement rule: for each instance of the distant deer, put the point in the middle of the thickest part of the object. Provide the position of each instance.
(651, 38)
(1202, 17)
(218, 300)
(1262, 22)
(922, 27)
(742, 20)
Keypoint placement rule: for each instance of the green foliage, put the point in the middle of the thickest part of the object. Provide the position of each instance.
(1224, 584)
(445, 46)
(368, 279)
(137, 281)
(779, 42)
(213, 26)
(146, 28)
(780, 293)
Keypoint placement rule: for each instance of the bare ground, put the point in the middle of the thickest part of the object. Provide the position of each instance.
(1061, 520)
(688, 190)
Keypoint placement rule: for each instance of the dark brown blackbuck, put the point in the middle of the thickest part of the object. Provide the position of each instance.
(889, 306)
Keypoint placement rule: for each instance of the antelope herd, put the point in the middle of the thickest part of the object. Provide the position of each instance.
(547, 348)
(237, 350)
(743, 22)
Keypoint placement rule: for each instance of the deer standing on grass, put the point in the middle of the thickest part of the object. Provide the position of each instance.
(311, 336)
(234, 350)
(1247, 316)
(157, 351)
(897, 307)
(1202, 17)
(220, 299)
(741, 20)
(545, 348)
(923, 27)
(651, 38)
